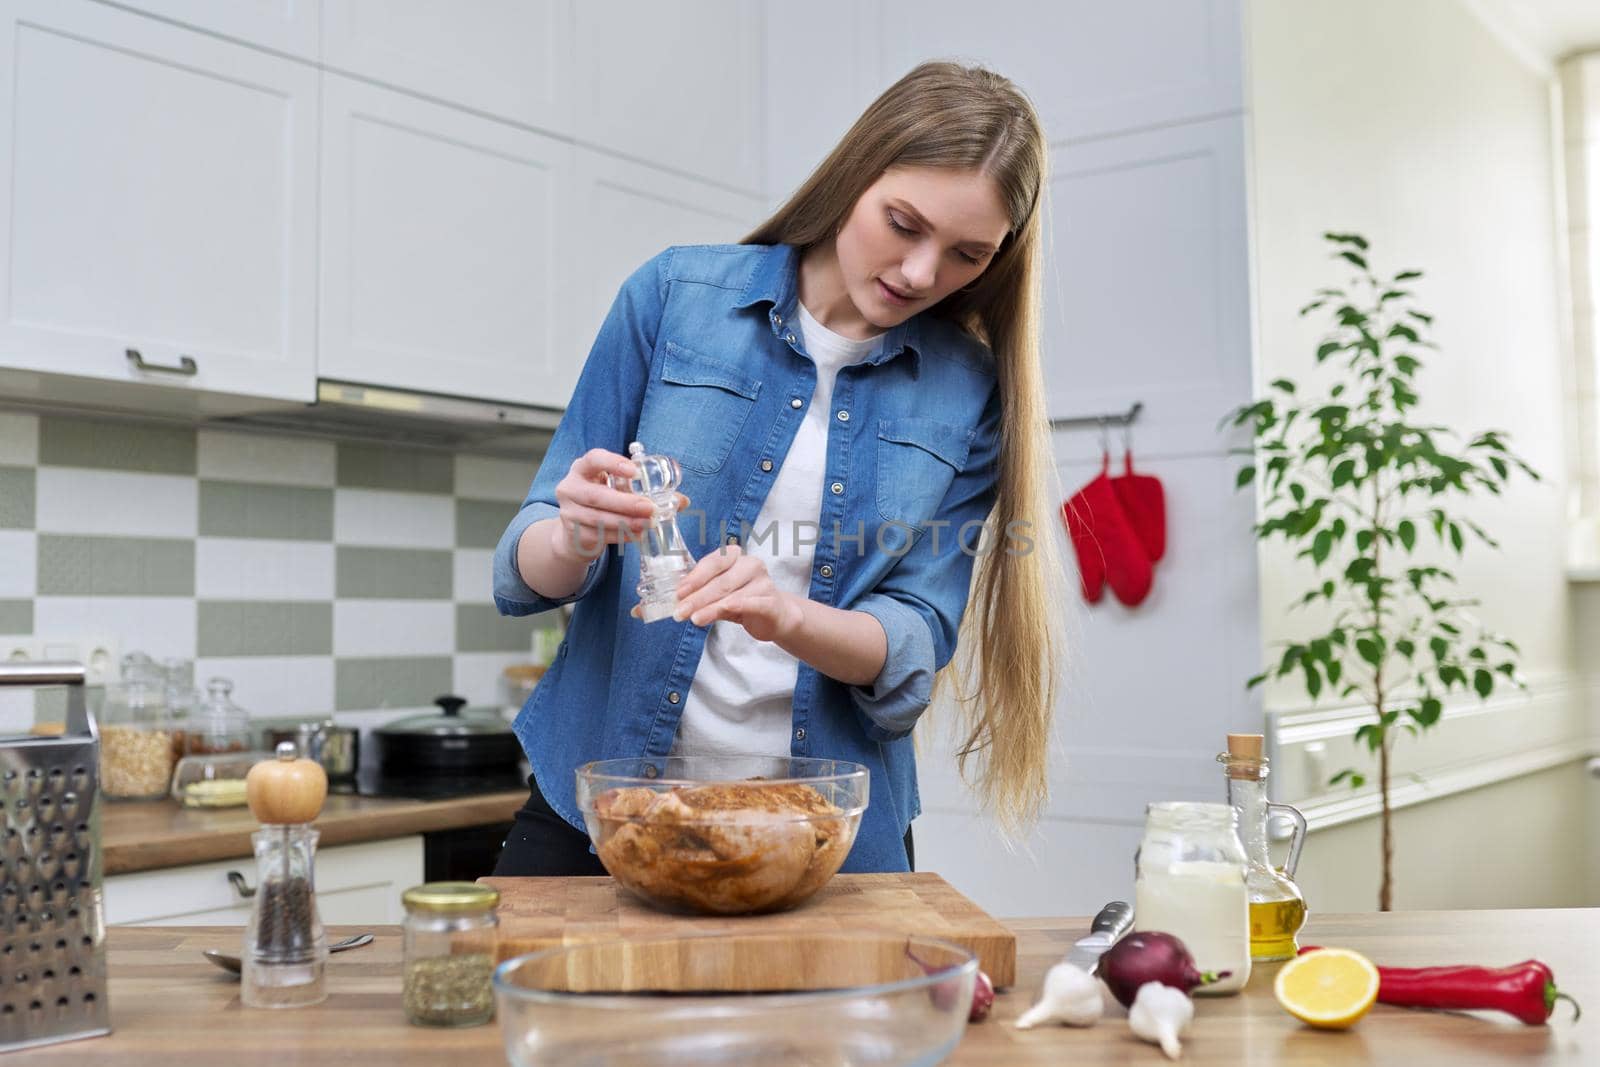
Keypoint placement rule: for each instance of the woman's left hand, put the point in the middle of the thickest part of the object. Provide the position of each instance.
(727, 584)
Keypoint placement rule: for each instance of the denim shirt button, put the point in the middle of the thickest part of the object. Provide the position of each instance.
(673, 697)
(825, 570)
(844, 416)
(766, 464)
(796, 402)
(789, 337)
(800, 734)
(650, 770)
(777, 319)
(733, 539)
(837, 488)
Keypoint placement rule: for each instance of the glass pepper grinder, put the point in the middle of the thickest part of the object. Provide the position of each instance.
(1277, 907)
(663, 559)
(285, 948)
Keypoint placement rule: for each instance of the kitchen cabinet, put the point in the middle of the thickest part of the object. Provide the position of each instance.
(289, 26)
(675, 83)
(444, 262)
(630, 212)
(157, 205)
(507, 58)
(355, 884)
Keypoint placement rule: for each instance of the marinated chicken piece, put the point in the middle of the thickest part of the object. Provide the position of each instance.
(726, 848)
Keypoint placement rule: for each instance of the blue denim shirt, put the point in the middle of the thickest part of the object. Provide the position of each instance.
(700, 359)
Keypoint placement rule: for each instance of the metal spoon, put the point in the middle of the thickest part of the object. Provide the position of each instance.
(234, 965)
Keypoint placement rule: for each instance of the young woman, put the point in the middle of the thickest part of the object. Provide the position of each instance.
(855, 397)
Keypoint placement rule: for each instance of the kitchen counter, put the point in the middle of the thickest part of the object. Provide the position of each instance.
(171, 1007)
(141, 836)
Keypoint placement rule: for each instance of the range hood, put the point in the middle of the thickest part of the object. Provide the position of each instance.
(366, 412)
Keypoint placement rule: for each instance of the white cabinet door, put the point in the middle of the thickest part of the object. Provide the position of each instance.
(630, 212)
(355, 884)
(510, 58)
(441, 245)
(290, 26)
(675, 83)
(157, 194)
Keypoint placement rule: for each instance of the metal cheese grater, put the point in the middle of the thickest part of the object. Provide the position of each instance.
(52, 921)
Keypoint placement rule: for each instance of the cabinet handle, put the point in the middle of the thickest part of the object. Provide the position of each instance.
(186, 367)
(245, 890)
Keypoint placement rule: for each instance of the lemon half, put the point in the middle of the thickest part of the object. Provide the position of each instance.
(1331, 988)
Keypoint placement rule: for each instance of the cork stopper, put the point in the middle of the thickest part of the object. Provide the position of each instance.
(1244, 757)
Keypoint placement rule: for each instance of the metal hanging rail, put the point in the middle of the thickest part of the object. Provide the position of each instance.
(1125, 418)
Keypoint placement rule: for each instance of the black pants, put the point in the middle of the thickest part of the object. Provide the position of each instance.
(542, 843)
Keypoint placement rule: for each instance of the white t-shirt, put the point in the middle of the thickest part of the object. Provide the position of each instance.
(742, 698)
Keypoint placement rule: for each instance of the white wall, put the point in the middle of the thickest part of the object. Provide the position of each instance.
(1146, 299)
(1416, 126)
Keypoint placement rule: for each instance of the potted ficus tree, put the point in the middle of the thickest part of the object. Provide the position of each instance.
(1357, 483)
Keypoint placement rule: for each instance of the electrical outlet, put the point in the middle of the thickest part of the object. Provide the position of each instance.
(100, 654)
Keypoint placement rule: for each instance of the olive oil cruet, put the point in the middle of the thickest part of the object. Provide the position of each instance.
(1277, 907)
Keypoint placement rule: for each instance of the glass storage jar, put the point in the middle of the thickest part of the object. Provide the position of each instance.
(214, 781)
(219, 725)
(449, 933)
(1190, 883)
(136, 745)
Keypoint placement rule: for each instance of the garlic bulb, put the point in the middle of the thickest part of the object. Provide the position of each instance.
(1070, 995)
(1160, 1015)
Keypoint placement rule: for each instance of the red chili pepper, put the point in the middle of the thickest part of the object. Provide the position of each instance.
(1526, 990)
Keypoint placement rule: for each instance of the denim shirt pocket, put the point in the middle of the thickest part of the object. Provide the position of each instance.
(917, 460)
(694, 408)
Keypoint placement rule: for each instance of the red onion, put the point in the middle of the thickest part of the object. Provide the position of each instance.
(982, 999)
(1148, 956)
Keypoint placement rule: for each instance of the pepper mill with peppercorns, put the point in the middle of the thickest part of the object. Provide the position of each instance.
(285, 949)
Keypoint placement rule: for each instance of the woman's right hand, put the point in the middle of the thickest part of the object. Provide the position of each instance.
(592, 513)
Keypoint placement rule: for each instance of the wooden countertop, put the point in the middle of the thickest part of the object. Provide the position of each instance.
(171, 1007)
(141, 836)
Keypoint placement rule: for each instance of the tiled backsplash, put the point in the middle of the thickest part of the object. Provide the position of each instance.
(320, 576)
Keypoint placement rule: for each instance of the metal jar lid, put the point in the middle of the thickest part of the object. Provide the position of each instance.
(450, 898)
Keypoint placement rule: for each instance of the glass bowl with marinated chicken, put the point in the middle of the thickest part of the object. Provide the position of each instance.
(722, 835)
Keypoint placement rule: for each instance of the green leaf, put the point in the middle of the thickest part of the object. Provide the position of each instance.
(1347, 238)
(1326, 349)
(1344, 473)
(1284, 384)
(1353, 258)
(1430, 710)
(1483, 682)
(1400, 329)
(1408, 533)
(1245, 477)
(1456, 539)
(1313, 679)
(1405, 647)
(1407, 275)
(1369, 650)
(1321, 545)
(1335, 670)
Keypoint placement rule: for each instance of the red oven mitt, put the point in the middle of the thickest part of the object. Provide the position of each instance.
(1144, 502)
(1108, 550)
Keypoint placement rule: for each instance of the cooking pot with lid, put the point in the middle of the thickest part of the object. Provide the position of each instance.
(454, 740)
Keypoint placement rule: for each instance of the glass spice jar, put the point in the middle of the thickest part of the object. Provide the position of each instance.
(449, 935)
(136, 754)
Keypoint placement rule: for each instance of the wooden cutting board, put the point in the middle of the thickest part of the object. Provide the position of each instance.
(541, 913)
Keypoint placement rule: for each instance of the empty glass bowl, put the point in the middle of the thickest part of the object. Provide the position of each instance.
(868, 999)
(722, 835)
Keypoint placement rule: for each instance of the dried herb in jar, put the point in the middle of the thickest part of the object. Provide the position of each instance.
(450, 990)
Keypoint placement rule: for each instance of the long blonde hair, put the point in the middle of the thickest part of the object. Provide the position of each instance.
(969, 119)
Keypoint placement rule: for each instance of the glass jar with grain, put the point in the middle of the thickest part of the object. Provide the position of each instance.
(449, 933)
(136, 749)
